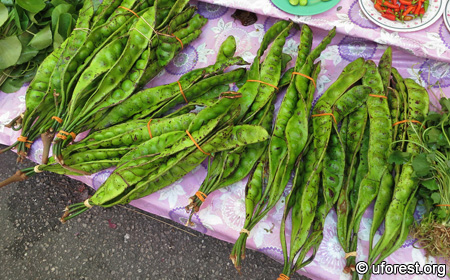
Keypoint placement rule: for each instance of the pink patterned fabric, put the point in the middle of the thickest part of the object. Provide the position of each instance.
(431, 42)
(223, 213)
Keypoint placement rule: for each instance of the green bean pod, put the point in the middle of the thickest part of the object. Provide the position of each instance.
(307, 201)
(172, 8)
(130, 133)
(197, 90)
(96, 154)
(137, 42)
(352, 132)
(418, 102)
(270, 35)
(227, 49)
(87, 167)
(179, 20)
(333, 170)
(407, 222)
(106, 8)
(74, 43)
(301, 82)
(354, 65)
(270, 73)
(382, 203)
(101, 63)
(322, 124)
(174, 168)
(150, 146)
(147, 101)
(40, 84)
(384, 68)
(379, 144)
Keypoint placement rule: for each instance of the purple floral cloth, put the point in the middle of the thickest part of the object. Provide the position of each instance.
(431, 42)
(223, 213)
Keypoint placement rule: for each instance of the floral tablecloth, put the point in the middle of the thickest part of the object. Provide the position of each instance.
(432, 42)
(223, 213)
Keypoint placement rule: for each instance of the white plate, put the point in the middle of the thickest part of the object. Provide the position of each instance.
(447, 15)
(434, 12)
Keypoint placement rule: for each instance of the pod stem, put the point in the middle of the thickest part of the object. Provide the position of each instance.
(16, 121)
(17, 177)
(9, 147)
(47, 138)
(69, 214)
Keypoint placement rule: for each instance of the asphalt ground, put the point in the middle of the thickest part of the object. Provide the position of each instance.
(113, 243)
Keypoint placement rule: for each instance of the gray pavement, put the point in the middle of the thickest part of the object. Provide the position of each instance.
(114, 243)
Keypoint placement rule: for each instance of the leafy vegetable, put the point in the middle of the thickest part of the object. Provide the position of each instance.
(33, 6)
(10, 48)
(30, 29)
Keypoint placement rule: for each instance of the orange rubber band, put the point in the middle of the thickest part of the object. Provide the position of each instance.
(22, 138)
(179, 40)
(258, 81)
(325, 114)
(57, 119)
(182, 93)
(405, 121)
(25, 140)
(202, 196)
(283, 277)
(131, 11)
(195, 143)
(380, 96)
(443, 205)
(62, 135)
(306, 76)
(149, 130)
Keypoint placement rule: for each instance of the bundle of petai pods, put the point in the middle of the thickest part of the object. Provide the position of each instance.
(339, 151)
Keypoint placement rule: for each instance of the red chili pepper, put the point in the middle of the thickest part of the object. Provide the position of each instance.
(402, 7)
(390, 11)
(410, 8)
(394, 2)
(422, 11)
(419, 6)
(405, 2)
(389, 16)
(387, 4)
(378, 8)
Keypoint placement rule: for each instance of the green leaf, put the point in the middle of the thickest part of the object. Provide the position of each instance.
(434, 117)
(13, 85)
(436, 197)
(433, 135)
(430, 184)
(440, 213)
(33, 6)
(445, 103)
(58, 2)
(399, 157)
(421, 165)
(65, 25)
(15, 14)
(10, 49)
(3, 14)
(27, 54)
(57, 38)
(42, 39)
(61, 9)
